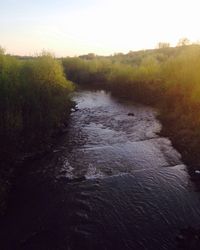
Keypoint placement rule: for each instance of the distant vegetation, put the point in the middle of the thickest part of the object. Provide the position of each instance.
(34, 98)
(168, 78)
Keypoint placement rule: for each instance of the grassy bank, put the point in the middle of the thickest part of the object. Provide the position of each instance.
(168, 78)
(34, 101)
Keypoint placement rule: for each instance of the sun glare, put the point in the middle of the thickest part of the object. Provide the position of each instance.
(102, 27)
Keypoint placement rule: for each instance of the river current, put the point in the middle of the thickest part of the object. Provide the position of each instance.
(123, 185)
(137, 193)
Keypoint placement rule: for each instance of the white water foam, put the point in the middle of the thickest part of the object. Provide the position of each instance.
(93, 173)
(66, 170)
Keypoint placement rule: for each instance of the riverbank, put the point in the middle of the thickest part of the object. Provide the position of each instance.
(186, 143)
(13, 166)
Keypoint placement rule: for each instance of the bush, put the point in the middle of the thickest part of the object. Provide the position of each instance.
(34, 101)
(34, 95)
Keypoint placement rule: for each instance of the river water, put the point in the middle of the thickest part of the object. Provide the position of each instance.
(116, 184)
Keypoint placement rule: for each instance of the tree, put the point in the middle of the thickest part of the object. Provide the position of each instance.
(2, 51)
(162, 45)
(89, 56)
(183, 42)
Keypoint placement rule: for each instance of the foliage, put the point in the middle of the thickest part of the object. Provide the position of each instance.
(162, 45)
(34, 100)
(34, 95)
(168, 78)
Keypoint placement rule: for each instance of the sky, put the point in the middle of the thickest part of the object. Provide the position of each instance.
(76, 27)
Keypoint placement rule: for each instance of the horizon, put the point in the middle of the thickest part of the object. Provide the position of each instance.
(74, 28)
(96, 55)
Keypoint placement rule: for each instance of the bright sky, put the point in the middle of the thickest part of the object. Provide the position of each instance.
(74, 27)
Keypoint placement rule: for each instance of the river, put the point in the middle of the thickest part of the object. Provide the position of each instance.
(112, 182)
